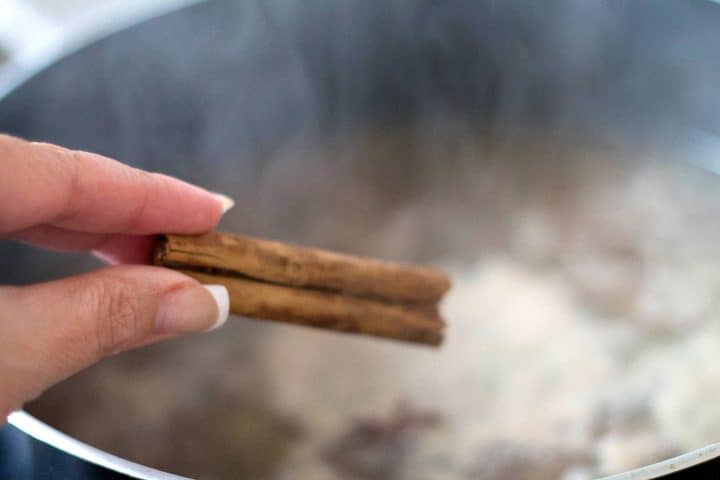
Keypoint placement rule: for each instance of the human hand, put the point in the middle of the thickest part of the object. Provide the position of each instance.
(69, 200)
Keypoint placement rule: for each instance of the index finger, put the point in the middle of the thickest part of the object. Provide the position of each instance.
(47, 184)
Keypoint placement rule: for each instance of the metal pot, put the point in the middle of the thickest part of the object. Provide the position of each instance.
(478, 136)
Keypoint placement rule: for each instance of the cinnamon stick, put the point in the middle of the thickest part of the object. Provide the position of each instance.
(317, 288)
(322, 309)
(303, 267)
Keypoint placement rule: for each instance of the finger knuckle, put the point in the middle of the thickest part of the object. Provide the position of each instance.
(138, 210)
(67, 168)
(119, 316)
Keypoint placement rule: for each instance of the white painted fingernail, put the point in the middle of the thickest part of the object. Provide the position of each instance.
(191, 309)
(222, 298)
(226, 202)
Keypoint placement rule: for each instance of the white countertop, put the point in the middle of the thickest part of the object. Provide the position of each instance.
(33, 33)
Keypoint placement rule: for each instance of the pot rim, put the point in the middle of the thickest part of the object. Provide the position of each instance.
(30, 425)
(43, 41)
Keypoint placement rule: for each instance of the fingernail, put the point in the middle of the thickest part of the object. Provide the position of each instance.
(226, 202)
(195, 308)
(222, 299)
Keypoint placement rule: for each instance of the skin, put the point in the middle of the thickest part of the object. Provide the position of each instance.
(68, 200)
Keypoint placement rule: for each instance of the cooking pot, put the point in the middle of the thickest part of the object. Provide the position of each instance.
(556, 158)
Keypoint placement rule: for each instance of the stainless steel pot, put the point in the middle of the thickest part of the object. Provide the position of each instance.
(442, 132)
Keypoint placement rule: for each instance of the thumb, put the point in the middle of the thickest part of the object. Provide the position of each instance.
(52, 330)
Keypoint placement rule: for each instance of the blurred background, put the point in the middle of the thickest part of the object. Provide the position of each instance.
(558, 159)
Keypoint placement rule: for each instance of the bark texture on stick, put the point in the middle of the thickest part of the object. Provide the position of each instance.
(305, 286)
(291, 265)
(327, 310)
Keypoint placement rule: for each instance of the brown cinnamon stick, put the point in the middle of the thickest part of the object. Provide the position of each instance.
(321, 309)
(281, 282)
(291, 265)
